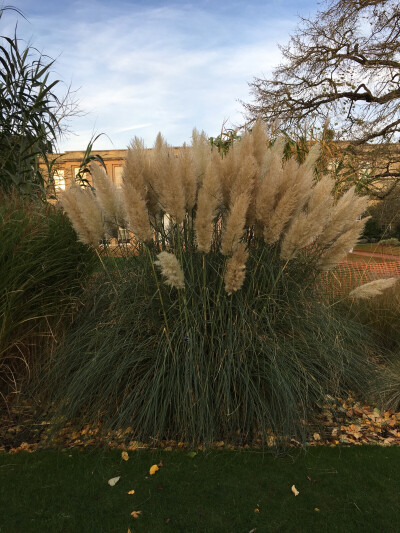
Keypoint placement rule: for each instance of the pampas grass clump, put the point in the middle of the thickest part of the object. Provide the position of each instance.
(214, 331)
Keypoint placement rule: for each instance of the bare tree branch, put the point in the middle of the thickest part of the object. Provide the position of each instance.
(342, 65)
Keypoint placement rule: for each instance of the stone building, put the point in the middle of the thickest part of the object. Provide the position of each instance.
(67, 165)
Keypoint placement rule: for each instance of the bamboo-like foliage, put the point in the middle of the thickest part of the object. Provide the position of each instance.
(213, 328)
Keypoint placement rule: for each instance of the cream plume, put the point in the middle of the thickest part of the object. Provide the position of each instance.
(348, 209)
(235, 224)
(168, 183)
(70, 206)
(338, 250)
(228, 172)
(107, 196)
(295, 191)
(271, 175)
(259, 139)
(208, 202)
(201, 150)
(244, 180)
(236, 269)
(373, 288)
(84, 213)
(136, 211)
(135, 164)
(171, 269)
(187, 176)
(307, 226)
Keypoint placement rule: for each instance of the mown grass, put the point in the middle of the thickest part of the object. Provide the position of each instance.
(354, 489)
(368, 259)
(378, 249)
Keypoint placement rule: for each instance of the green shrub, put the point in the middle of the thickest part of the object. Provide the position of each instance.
(42, 268)
(372, 230)
(390, 242)
(214, 330)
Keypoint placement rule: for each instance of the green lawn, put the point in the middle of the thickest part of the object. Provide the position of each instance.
(341, 489)
(378, 249)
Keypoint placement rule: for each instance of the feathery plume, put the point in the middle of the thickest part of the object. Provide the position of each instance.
(271, 175)
(312, 157)
(228, 172)
(236, 269)
(295, 192)
(307, 226)
(373, 288)
(341, 246)
(85, 214)
(167, 181)
(348, 209)
(70, 206)
(244, 179)
(208, 202)
(107, 196)
(136, 211)
(235, 224)
(259, 138)
(187, 176)
(201, 150)
(171, 269)
(135, 164)
(286, 204)
(245, 146)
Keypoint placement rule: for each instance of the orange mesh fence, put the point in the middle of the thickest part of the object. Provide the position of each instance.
(348, 275)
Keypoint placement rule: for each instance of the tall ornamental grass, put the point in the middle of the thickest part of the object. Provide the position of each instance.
(213, 330)
(42, 269)
(376, 305)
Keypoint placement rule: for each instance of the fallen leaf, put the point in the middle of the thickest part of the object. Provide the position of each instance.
(153, 470)
(256, 510)
(125, 456)
(316, 509)
(136, 514)
(113, 481)
(317, 436)
(131, 492)
(192, 454)
(295, 491)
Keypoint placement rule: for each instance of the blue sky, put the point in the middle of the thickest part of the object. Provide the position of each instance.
(144, 67)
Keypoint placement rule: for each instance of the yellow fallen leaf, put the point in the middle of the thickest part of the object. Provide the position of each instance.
(113, 481)
(153, 470)
(125, 456)
(136, 514)
(295, 491)
(256, 510)
(317, 436)
(131, 492)
(316, 509)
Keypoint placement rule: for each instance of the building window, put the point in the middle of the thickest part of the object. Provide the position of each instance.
(118, 177)
(59, 180)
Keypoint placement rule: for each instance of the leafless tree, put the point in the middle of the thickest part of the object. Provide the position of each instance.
(343, 65)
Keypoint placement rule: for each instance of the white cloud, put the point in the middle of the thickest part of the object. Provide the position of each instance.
(168, 68)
